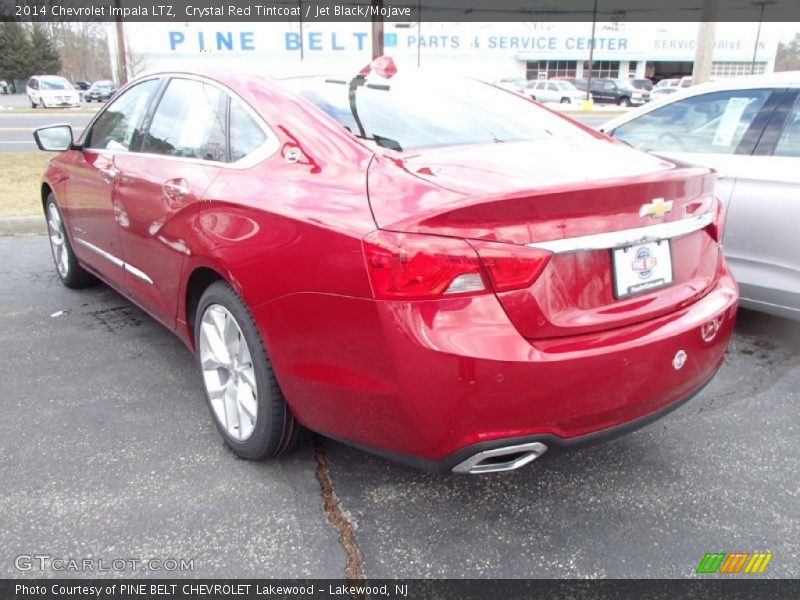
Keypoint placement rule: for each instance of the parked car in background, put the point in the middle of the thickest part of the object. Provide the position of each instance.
(614, 91)
(685, 82)
(411, 263)
(100, 91)
(667, 83)
(50, 91)
(556, 91)
(662, 92)
(642, 84)
(748, 130)
(515, 84)
(82, 85)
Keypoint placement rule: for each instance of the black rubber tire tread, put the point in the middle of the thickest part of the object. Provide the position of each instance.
(276, 431)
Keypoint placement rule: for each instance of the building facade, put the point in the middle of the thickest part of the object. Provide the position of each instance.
(491, 51)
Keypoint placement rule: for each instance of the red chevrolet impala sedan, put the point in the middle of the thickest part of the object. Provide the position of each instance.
(435, 270)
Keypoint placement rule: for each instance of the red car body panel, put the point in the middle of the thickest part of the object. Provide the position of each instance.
(423, 378)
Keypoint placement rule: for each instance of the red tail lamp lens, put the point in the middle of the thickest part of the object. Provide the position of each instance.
(511, 267)
(409, 266)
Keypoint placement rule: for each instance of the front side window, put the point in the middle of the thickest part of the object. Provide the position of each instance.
(189, 122)
(709, 123)
(119, 127)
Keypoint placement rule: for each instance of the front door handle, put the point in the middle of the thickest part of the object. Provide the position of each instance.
(175, 189)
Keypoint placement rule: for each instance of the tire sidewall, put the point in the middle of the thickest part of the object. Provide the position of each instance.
(263, 441)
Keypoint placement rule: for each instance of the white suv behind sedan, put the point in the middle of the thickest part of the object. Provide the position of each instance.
(49, 91)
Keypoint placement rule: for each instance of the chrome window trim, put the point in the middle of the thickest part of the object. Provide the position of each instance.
(270, 146)
(116, 261)
(626, 237)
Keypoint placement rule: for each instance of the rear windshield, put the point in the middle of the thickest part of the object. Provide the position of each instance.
(414, 111)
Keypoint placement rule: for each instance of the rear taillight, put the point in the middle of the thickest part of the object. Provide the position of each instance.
(718, 224)
(409, 266)
(511, 267)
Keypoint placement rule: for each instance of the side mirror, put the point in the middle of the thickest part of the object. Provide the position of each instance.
(54, 138)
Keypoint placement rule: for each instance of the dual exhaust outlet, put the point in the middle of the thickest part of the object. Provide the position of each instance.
(497, 460)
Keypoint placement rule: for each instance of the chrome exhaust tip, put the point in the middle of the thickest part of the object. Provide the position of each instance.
(502, 459)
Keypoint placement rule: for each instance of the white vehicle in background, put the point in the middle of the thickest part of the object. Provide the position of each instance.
(662, 92)
(49, 91)
(555, 90)
(748, 130)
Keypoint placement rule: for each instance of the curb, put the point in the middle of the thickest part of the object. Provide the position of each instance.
(22, 226)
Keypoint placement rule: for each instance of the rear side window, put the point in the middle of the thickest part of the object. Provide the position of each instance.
(709, 123)
(789, 141)
(245, 134)
(189, 122)
(119, 127)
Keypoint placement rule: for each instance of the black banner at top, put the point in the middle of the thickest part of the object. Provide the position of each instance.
(397, 10)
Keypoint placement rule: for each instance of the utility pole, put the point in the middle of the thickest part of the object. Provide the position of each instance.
(591, 55)
(706, 33)
(122, 59)
(763, 4)
(377, 29)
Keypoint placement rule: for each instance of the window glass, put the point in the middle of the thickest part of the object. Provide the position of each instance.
(789, 142)
(119, 127)
(552, 87)
(246, 135)
(414, 111)
(188, 122)
(709, 123)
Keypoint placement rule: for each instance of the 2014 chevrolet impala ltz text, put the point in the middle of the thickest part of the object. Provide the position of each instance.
(438, 271)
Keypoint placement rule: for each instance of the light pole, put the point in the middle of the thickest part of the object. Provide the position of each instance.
(763, 4)
(591, 54)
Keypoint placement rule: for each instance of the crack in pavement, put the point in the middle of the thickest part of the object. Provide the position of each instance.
(347, 531)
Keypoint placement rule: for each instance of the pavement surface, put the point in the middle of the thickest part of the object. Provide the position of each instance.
(107, 450)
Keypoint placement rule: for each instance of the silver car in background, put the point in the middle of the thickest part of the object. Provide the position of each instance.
(748, 130)
(555, 90)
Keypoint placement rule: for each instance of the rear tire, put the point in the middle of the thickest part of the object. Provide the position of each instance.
(565, 101)
(624, 101)
(69, 271)
(241, 390)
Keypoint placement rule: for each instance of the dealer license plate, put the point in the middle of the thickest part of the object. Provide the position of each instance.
(641, 268)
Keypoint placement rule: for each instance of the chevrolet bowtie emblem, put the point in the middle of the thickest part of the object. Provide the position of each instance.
(656, 209)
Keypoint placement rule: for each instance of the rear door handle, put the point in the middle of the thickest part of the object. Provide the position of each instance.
(108, 174)
(175, 189)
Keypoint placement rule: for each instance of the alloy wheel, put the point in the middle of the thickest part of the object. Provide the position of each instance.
(228, 372)
(58, 240)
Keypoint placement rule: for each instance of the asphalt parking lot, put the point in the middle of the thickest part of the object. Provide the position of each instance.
(107, 450)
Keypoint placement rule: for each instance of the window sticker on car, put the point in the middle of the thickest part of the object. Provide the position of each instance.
(729, 121)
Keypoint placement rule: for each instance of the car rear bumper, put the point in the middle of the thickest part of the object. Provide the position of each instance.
(429, 383)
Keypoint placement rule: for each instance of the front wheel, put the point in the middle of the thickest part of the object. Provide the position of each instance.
(624, 101)
(241, 390)
(33, 104)
(69, 271)
(565, 101)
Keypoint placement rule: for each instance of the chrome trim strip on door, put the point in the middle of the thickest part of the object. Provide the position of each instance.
(116, 261)
(626, 237)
